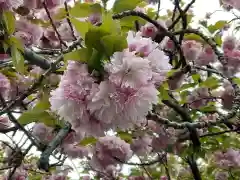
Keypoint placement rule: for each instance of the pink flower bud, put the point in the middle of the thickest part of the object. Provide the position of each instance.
(149, 30)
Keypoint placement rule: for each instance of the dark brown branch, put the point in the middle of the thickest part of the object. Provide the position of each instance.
(53, 25)
(68, 20)
(179, 17)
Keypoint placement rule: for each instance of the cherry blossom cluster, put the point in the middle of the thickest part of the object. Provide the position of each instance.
(232, 55)
(123, 99)
(228, 159)
(195, 52)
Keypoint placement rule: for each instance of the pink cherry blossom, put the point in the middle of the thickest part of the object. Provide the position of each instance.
(160, 66)
(127, 70)
(149, 30)
(75, 151)
(229, 43)
(27, 32)
(140, 44)
(227, 95)
(233, 3)
(191, 49)
(4, 122)
(113, 103)
(228, 159)
(70, 100)
(232, 58)
(107, 149)
(206, 57)
(43, 133)
(142, 145)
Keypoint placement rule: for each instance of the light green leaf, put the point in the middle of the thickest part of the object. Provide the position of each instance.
(18, 59)
(85, 9)
(209, 108)
(80, 10)
(9, 21)
(93, 38)
(217, 26)
(194, 37)
(163, 93)
(123, 5)
(17, 43)
(88, 141)
(236, 80)
(113, 43)
(218, 40)
(110, 25)
(96, 61)
(81, 27)
(128, 22)
(81, 55)
(196, 77)
(125, 136)
(210, 82)
(39, 114)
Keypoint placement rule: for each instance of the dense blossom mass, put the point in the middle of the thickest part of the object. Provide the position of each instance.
(127, 85)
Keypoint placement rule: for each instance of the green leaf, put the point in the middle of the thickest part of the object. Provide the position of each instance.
(88, 141)
(17, 43)
(123, 5)
(39, 114)
(110, 25)
(194, 37)
(113, 43)
(93, 38)
(217, 26)
(81, 27)
(80, 10)
(237, 81)
(17, 58)
(163, 93)
(128, 22)
(209, 108)
(210, 82)
(125, 136)
(218, 40)
(196, 77)
(96, 61)
(85, 9)
(184, 95)
(82, 55)
(9, 21)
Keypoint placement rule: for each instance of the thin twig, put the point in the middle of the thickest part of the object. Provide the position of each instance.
(53, 25)
(158, 9)
(68, 20)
